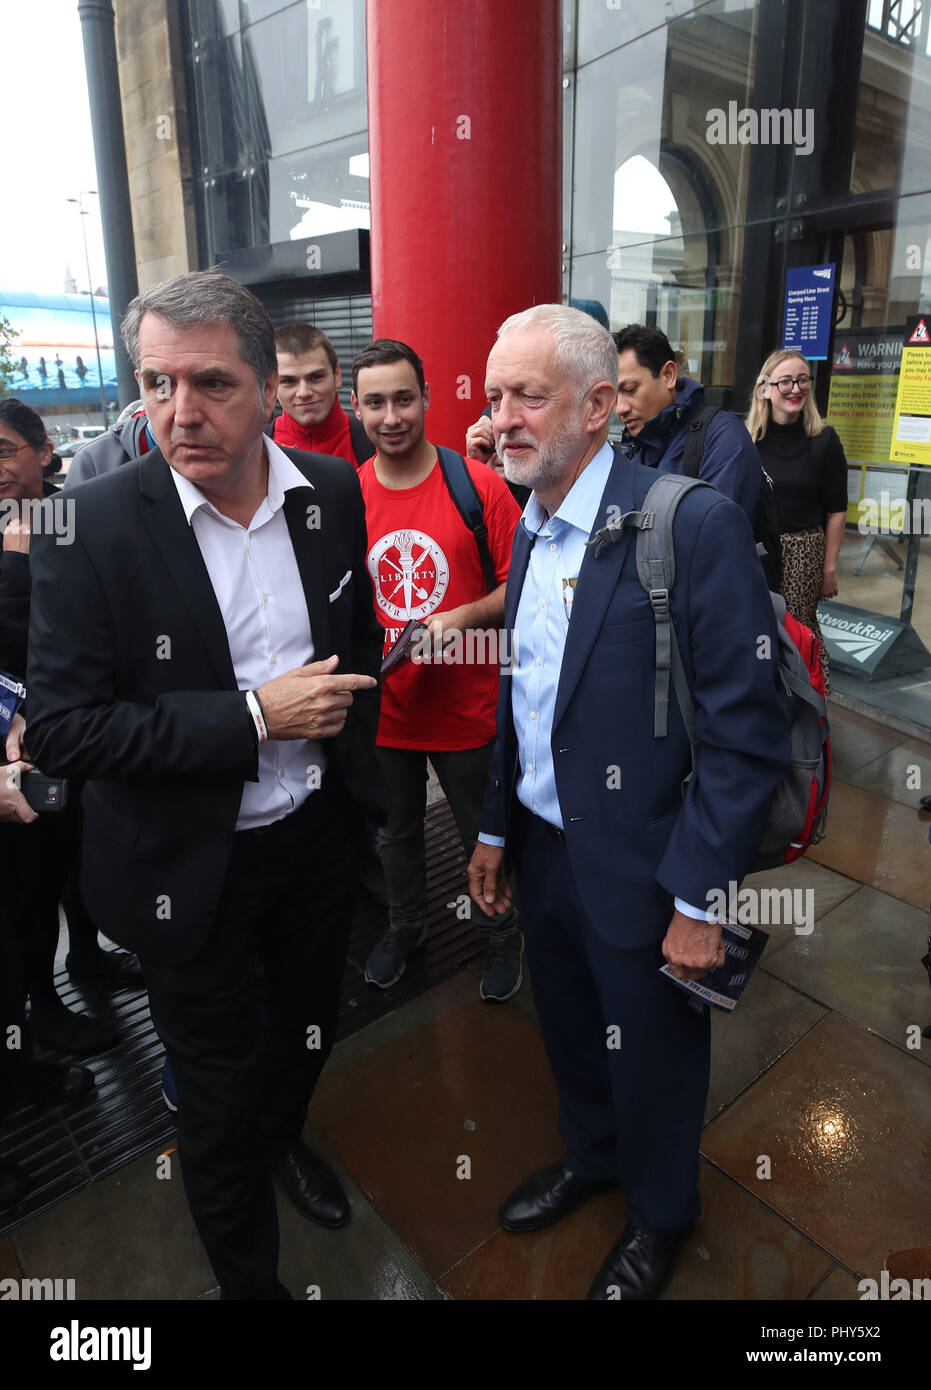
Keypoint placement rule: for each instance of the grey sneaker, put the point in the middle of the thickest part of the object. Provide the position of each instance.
(385, 965)
(502, 976)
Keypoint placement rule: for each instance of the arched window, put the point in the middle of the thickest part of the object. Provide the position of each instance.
(643, 200)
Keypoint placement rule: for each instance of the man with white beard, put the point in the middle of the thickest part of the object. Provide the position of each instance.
(614, 866)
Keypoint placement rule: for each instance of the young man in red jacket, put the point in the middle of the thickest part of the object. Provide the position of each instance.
(426, 564)
(309, 378)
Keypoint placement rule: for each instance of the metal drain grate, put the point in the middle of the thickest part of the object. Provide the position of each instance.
(67, 1148)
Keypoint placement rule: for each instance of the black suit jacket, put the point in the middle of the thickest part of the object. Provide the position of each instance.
(131, 687)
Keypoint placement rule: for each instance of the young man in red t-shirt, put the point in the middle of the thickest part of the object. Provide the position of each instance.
(425, 564)
(309, 378)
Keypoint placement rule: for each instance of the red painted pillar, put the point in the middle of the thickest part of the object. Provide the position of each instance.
(465, 137)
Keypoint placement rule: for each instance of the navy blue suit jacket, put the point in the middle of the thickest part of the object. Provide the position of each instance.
(730, 460)
(635, 846)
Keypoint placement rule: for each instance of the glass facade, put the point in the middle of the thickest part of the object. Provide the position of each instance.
(716, 147)
(656, 212)
(278, 120)
(711, 147)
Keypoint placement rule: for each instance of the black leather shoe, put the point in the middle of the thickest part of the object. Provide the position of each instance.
(311, 1185)
(61, 1030)
(638, 1266)
(546, 1197)
(114, 967)
(51, 1083)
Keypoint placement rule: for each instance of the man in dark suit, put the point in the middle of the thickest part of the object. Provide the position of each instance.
(204, 655)
(614, 865)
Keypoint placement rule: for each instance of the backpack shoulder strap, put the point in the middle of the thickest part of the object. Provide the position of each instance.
(695, 437)
(462, 490)
(362, 446)
(656, 570)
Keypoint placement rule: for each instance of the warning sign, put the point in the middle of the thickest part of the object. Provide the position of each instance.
(861, 403)
(868, 351)
(911, 432)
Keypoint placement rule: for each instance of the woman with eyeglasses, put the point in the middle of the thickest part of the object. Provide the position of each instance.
(806, 462)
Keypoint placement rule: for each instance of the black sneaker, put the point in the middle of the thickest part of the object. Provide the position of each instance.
(385, 965)
(502, 976)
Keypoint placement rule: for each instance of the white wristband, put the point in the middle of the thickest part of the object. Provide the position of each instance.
(258, 717)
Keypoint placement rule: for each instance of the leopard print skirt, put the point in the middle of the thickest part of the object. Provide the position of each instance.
(803, 580)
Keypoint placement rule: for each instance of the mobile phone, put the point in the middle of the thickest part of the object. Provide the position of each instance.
(43, 793)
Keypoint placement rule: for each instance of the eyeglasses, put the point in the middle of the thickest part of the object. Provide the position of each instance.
(785, 383)
(8, 451)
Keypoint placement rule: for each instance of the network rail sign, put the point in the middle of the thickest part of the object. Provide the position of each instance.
(859, 641)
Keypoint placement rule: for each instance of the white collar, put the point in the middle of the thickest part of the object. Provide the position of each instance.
(283, 475)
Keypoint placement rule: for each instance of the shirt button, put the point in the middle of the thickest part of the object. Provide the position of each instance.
(553, 545)
(273, 661)
(532, 714)
(530, 767)
(542, 605)
(539, 661)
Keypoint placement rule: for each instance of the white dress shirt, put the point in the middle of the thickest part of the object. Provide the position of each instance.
(261, 597)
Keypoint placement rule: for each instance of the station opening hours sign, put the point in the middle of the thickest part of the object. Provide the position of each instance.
(808, 310)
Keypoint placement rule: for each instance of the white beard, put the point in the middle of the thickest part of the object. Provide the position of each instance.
(545, 465)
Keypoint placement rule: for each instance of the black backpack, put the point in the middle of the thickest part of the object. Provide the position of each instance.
(765, 516)
(362, 446)
(462, 490)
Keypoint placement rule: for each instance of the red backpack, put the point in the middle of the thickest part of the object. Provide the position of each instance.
(799, 808)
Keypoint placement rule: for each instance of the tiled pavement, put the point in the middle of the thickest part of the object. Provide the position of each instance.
(815, 1156)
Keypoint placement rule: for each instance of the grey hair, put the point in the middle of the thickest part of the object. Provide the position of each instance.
(584, 348)
(206, 296)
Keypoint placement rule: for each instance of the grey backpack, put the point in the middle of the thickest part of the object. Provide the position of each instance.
(799, 805)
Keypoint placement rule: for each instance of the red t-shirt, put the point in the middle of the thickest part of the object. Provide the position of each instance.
(435, 705)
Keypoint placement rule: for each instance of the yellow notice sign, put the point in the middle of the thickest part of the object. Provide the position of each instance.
(911, 431)
(862, 410)
(861, 404)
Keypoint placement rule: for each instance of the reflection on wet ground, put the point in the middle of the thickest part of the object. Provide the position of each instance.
(815, 1156)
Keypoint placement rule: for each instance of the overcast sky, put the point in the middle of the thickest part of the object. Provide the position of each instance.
(48, 150)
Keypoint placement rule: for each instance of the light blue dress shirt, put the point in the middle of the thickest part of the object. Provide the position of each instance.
(541, 626)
